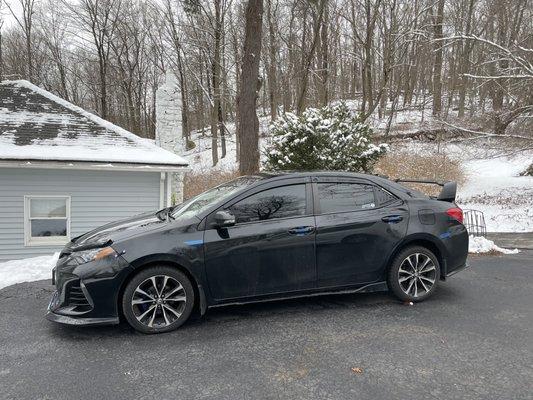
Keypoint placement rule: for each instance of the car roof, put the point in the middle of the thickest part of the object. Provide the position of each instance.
(377, 179)
(303, 174)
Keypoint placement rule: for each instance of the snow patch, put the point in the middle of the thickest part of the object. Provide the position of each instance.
(479, 244)
(494, 187)
(27, 269)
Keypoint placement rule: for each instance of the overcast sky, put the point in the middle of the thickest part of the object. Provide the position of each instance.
(6, 15)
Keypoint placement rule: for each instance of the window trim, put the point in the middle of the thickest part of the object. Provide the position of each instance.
(30, 241)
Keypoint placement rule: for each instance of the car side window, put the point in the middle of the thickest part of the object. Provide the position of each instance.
(383, 197)
(280, 202)
(340, 197)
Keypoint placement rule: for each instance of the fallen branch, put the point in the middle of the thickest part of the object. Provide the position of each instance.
(484, 134)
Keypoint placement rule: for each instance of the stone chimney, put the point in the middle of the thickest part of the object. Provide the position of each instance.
(168, 129)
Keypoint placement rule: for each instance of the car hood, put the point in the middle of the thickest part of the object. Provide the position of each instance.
(120, 230)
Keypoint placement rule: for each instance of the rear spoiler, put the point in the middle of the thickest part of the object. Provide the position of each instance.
(448, 192)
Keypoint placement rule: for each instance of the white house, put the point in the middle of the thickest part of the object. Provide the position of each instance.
(65, 171)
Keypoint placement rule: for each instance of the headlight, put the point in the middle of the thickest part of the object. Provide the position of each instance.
(86, 256)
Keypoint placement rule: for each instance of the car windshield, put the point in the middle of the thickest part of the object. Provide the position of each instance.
(212, 196)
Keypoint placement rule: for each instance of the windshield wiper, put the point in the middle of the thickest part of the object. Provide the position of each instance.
(165, 214)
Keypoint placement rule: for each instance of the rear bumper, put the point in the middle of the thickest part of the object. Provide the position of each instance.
(458, 269)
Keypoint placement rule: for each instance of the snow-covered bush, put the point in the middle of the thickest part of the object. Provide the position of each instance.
(330, 138)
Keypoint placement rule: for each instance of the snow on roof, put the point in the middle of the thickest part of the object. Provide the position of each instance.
(37, 125)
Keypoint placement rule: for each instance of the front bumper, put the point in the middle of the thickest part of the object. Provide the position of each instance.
(87, 294)
(75, 320)
(63, 319)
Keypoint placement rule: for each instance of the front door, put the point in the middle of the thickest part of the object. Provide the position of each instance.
(357, 227)
(271, 248)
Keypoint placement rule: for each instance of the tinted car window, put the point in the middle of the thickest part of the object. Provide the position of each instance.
(383, 197)
(281, 202)
(212, 196)
(339, 197)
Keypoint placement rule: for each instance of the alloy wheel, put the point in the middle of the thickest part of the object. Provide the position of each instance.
(417, 275)
(158, 301)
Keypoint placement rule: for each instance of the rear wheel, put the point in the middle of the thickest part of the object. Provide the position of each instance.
(414, 274)
(158, 299)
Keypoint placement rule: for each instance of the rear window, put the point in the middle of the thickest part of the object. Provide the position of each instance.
(340, 197)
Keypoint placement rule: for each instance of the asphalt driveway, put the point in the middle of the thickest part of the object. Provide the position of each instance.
(472, 340)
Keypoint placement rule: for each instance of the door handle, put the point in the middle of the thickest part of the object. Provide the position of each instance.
(392, 219)
(301, 230)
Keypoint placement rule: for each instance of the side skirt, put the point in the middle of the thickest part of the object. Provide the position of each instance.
(372, 287)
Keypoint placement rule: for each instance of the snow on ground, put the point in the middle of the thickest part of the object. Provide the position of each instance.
(493, 184)
(479, 244)
(495, 187)
(200, 158)
(27, 269)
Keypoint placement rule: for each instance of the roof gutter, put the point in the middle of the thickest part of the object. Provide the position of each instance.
(93, 166)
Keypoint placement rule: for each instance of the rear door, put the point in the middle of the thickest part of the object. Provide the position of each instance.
(358, 224)
(271, 248)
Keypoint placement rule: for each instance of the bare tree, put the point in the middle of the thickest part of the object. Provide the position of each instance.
(383, 55)
(25, 21)
(248, 123)
(272, 59)
(99, 18)
(437, 63)
(308, 58)
(1, 44)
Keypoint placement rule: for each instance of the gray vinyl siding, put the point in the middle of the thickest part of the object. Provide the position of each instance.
(97, 197)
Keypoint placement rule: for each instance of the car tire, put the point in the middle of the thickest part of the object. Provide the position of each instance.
(158, 299)
(414, 274)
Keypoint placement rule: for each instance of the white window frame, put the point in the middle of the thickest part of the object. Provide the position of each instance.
(50, 240)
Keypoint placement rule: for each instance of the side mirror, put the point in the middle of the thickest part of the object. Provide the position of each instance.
(224, 219)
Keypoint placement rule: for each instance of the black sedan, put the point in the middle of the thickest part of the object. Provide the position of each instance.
(260, 238)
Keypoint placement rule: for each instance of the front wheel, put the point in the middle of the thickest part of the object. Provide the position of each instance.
(158, 299)
(414, 274)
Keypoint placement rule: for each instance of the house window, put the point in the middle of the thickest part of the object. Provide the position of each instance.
(47, 220)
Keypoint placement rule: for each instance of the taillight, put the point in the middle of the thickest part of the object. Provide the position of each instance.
(456, 213)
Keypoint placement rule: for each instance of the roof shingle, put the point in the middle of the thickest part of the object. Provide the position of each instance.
(37, 125)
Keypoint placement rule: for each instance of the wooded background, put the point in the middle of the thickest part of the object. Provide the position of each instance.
(469, 61)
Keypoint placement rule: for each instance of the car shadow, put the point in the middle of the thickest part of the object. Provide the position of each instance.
(247, 314)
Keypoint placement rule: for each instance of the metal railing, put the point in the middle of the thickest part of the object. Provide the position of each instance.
(474, 221)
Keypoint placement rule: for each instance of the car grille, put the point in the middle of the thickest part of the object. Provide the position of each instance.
(76, 298)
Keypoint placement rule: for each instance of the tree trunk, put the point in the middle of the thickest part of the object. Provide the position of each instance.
(1, 55)
(248, 123)
(221, 97)
(215, 70)
(184, 100)
(103, 87)
(237, 63)
(500, 85)
(463, 62)
(324, 62)
(272, 66)
(309, 59)
(437, 65)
